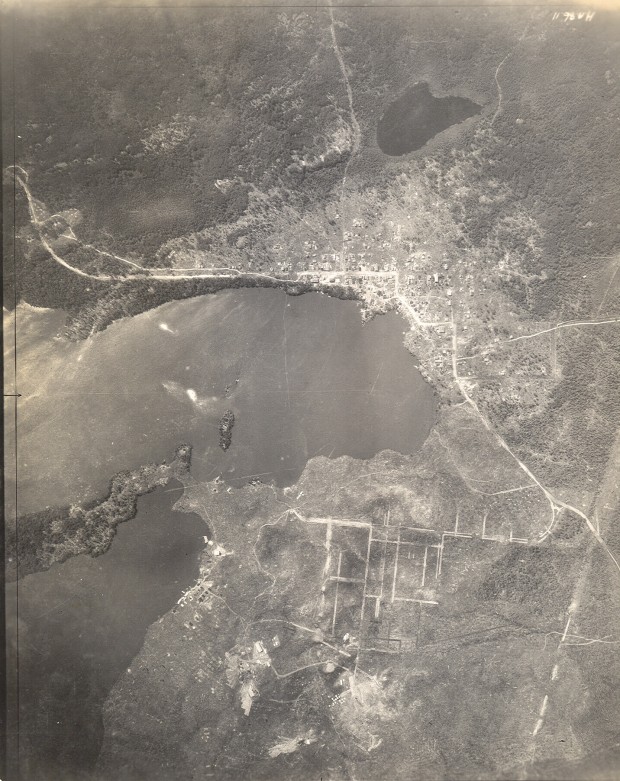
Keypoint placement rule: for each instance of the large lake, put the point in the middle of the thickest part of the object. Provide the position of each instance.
(303, 376)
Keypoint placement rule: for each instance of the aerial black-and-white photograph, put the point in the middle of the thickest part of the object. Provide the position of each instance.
(311, 390)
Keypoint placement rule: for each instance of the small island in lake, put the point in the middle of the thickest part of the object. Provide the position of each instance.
(226, 426)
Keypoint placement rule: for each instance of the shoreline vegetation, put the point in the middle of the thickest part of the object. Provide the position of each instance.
(53, 535)
(98, 310)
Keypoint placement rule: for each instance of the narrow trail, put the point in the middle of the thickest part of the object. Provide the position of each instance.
(356, 130)
(500, 94)
(38, 223)
(498, 110)
(578, 324)
(491, 348)
(166, 274)
(609, 284)
(607, 494)
(72, 237)
(556, 504)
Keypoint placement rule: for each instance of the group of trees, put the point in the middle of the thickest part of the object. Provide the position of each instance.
(238, 100)
(40, 539)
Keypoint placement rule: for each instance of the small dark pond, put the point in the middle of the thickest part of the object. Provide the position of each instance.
(416, 116)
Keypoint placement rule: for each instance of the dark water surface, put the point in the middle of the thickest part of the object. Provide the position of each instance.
(82, 622)
(302, 375)
(416, 116)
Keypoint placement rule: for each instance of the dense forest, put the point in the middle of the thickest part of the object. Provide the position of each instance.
(139, 149)
(237, 131)
(52, 535)
(140, 139)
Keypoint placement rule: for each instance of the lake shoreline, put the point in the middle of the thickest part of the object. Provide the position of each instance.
(302, 375)
(36, 551)
(82, 624)
(133, 297)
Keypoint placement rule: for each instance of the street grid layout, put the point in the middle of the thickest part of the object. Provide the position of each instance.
(373, 598)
